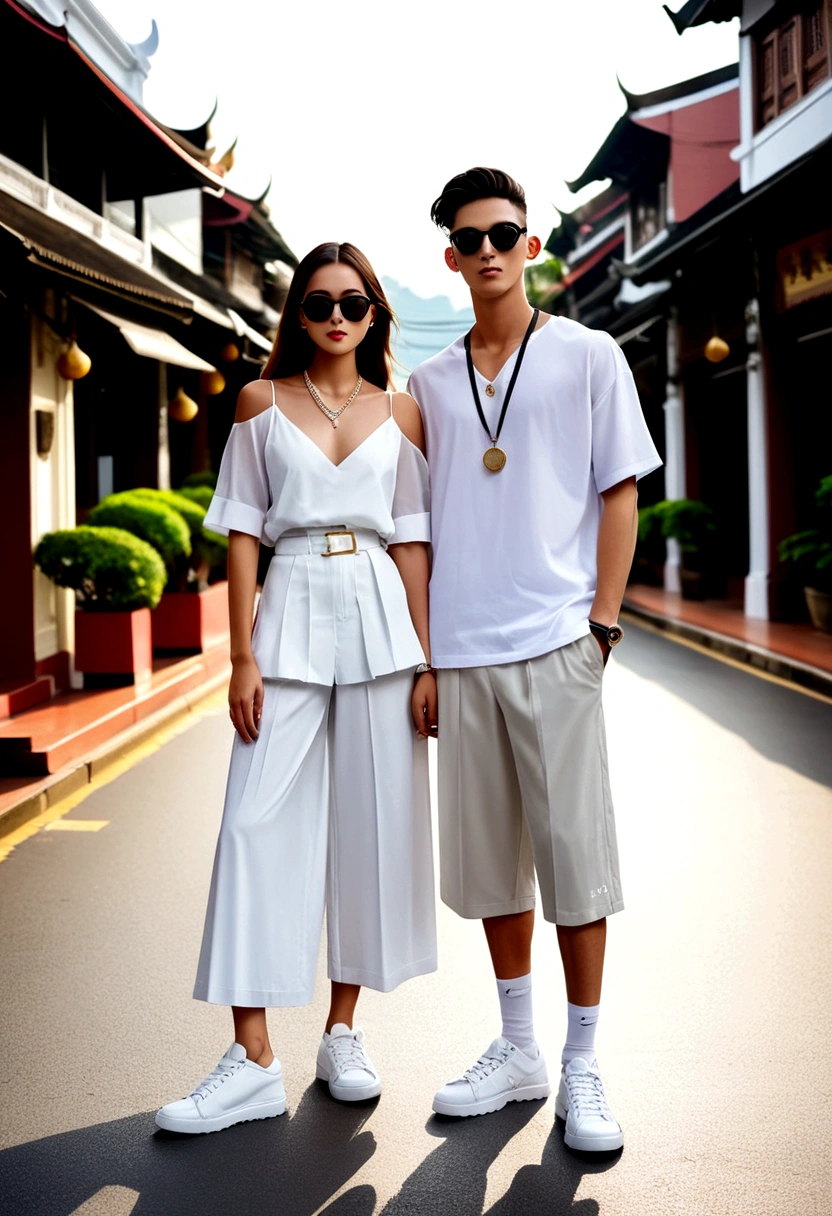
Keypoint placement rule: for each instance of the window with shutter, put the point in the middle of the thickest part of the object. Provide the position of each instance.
(793, 57)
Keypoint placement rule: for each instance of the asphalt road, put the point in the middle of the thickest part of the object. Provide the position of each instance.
(714, 1037)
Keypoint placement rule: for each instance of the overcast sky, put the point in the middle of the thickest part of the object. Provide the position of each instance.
(361, 111)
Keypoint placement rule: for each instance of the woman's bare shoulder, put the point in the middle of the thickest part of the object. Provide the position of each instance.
(254, 399)
(409, 419)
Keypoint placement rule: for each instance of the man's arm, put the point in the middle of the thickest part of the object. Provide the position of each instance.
(616, 546)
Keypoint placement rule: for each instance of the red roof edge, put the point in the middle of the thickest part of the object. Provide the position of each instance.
(209, 178)
(594, 258)
(60, 34)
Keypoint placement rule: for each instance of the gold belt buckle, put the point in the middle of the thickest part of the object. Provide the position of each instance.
(336, 544)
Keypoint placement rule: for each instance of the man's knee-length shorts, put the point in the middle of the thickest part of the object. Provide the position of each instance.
(523, 786)
(328, 806)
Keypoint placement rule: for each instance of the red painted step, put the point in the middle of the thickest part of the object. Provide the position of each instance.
(15, 698)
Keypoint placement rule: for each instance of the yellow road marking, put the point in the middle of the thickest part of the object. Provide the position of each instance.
(633, 619)
(76, 825)
(140, 752)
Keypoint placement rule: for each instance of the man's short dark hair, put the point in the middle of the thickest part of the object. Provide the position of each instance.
(472, 185)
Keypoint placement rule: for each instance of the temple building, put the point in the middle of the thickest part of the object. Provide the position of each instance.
(120, 235)
(714, 233)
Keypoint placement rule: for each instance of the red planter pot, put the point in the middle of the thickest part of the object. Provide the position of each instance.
(113, 648)
(191, 620)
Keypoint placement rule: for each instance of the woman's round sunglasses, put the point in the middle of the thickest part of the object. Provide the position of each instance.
(320, 308)
(502, 236)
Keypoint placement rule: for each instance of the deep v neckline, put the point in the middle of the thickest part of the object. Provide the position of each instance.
(340, 464)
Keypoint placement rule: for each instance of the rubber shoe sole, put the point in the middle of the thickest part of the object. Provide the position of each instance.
(487, 1106)
(589, 1144)
(248, 1114)
(349, 1093)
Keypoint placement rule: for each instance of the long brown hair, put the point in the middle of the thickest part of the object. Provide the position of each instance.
(294, 350)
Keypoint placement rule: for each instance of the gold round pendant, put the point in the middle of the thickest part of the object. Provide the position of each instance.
(494, 459)
(489, 390)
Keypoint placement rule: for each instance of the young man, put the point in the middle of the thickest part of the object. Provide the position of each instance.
(535, 440)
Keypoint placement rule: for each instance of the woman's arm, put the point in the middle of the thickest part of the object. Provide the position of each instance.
(412, 562)
(616, 545)
(245, 693)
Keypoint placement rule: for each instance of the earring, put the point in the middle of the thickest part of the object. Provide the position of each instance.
(370, 326)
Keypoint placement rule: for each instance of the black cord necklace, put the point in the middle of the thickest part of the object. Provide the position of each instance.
(494, 458)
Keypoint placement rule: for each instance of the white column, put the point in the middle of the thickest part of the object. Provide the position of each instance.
(757, 580)
(163, 449)
(674, 436)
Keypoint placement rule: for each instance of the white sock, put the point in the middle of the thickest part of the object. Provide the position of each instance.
(580, 1032)
(516, 1008)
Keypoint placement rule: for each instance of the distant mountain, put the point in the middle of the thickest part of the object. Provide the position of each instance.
(427, 326)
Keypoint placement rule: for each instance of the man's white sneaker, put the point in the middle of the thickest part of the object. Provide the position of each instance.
(236, 1091)
(582, 1103)
(502, 1074)
(343, 1062)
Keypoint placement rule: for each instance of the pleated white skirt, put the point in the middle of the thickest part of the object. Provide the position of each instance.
(329, 806)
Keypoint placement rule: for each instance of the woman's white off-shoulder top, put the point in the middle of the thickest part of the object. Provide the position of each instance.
(326, 620)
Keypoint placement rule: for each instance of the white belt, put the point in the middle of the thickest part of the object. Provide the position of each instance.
(328, 542)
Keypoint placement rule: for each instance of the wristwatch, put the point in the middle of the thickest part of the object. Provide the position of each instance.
(611, 634)
(422, 669)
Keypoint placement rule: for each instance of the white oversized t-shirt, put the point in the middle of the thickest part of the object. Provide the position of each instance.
(514, 552)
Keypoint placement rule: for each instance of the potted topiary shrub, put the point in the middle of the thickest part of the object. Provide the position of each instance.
(811, 553)
(692, 525)
(649, 557)
(192, 614)
(117, 579)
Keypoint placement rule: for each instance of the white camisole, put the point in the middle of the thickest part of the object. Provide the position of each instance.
(325, 620)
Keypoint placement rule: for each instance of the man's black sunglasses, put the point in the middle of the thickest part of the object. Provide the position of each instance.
(502, 236)
(320, 308)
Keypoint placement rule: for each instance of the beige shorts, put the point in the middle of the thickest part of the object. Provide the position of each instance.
(523, 786)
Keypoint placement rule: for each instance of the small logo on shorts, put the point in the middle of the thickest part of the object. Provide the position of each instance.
(596, 891)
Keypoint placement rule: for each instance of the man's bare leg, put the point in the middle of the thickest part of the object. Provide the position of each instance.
(582, 952)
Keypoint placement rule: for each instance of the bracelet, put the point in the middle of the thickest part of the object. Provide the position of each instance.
(423, 669)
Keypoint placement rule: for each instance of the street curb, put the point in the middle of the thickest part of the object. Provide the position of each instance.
(60, 785)
(803, 675)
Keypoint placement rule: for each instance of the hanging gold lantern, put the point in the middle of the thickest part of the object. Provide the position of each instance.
(183, 408)
(230, 353)
(213, 383)
(73, 364)
(716, 349)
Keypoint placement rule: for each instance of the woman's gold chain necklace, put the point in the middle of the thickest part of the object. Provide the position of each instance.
(332, 415)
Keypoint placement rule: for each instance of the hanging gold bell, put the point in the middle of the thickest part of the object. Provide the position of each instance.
(183, 408)
(213, 383)
(716, 349)
(73, 364)
(230, 353)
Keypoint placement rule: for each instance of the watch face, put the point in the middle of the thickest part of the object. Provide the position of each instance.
(614, 634)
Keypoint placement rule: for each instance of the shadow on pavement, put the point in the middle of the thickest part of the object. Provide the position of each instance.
(452, 1180)
(288, 1165)
(781, 723)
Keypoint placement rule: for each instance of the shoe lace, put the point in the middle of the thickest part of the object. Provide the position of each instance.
(224, 1070)
(484, 1066)
(586, 1094)
(347, 1052)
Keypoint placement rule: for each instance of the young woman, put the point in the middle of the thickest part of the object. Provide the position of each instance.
(327, 797)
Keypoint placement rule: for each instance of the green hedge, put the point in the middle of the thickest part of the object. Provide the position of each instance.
(208, 547)
(154, 522)
(207, 478)
(198, 494)
(109, 570)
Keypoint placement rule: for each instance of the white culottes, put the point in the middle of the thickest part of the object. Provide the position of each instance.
(329, 805)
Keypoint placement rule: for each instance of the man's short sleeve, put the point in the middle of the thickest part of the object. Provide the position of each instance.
(621, 443)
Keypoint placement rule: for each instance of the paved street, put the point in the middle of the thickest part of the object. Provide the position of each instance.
(714, 1035)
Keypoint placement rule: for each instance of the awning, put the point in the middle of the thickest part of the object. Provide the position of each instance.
(154, 343)
(243, 330)
(59, 248)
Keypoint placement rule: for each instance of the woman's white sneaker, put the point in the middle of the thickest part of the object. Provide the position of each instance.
(343, 1062)
(582, 1103)
(502, 1074)
(236, 1091)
